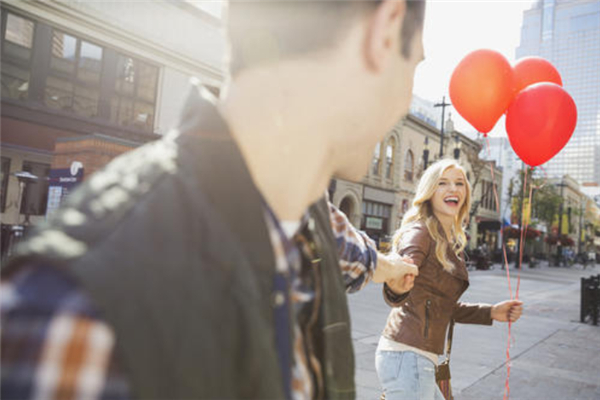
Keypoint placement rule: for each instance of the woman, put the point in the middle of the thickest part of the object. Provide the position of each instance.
(432, 235)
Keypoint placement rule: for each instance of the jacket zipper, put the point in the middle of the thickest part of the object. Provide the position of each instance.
(427, 305)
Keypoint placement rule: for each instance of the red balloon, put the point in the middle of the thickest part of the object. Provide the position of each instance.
(530, 70)
(540, 122)
(482, 87)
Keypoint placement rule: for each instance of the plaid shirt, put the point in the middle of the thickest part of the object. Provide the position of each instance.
(55, 346)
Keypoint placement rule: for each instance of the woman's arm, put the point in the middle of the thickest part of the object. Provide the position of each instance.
(485, 314)
(414, 248)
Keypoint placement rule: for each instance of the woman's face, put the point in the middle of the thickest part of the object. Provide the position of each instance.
(449, 197)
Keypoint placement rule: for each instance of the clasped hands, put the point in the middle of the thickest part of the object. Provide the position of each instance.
(398, 272)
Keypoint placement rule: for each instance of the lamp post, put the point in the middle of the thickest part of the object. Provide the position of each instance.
(456, 147)
(425, 153)
(524, 171)
(443, 104)
(25, 178)
(560, 215)
(579, 250)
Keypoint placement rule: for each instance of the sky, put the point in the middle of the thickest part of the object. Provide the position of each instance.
(452, 30)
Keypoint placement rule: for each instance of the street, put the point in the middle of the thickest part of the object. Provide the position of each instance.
(553, 355)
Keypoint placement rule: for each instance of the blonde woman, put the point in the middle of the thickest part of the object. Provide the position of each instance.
(432, 235)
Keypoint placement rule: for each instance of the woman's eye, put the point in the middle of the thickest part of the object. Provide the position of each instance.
(442, 183)
(460, 184)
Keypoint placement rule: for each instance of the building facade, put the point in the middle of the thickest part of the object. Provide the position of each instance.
(567, 33)
(378, 202)
(83, 82)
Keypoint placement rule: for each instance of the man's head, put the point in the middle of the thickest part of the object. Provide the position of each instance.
(262, 31)
(358, 57)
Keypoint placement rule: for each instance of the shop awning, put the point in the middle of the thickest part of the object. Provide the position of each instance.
(487, 224)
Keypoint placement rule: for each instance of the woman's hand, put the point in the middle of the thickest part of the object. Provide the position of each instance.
(401, 285)
(507, 310)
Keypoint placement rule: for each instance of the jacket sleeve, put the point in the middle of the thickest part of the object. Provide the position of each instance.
(357, 252)
(473, 313)
(415, 243)
(393, 299)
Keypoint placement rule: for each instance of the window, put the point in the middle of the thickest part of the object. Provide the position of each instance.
(4, 187)
(404, 206)
(35, 195)
(409, 165)
(73, 83)
(377, 159)
(135, 93)
(390, 150)
(17, 43)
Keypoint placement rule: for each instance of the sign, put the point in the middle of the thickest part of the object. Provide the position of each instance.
(378, 195)
(374, 223)
(61, 182)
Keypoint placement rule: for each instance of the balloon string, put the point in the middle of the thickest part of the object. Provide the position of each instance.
(496, 197)
(525, 223)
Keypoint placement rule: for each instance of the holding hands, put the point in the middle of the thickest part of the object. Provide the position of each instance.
(397, 271)
(509, 310)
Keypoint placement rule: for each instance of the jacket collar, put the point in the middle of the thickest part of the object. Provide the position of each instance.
(223, 174)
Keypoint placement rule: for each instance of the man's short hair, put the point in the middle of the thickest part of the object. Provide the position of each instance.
(270, 30)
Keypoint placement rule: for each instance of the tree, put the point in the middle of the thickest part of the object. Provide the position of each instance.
(545, 199)
(478, 165)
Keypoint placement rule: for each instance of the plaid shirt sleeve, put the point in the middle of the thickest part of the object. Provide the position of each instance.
(54, 345)
(357, 252)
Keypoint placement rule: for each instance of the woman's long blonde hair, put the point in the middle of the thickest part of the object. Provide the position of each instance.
(422, 210)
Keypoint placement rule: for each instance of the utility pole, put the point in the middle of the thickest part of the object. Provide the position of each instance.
(560, 215)
(519, 244)
(580, 226)
(443, 104)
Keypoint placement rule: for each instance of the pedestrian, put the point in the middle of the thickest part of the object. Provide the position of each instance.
(204, 265)
(432, 235)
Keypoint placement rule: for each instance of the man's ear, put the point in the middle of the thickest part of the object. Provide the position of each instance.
(383, 33)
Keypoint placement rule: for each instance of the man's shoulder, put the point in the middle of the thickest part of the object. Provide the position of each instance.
(132, 189)
(127, 178)
(416, 234)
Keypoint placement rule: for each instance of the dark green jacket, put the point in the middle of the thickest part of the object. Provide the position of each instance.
(171, 244)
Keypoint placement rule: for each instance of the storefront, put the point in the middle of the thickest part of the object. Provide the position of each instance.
(377, 213)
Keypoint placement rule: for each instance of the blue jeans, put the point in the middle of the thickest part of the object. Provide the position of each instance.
(406, 375)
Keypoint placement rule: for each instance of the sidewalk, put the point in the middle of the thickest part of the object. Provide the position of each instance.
(553, 355)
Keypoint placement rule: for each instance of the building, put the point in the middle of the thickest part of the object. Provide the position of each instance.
(501, 152)
(567, 33)
(378, 202)
(425, 110)
(83, 82)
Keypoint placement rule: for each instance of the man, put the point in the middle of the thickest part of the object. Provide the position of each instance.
(204, 265)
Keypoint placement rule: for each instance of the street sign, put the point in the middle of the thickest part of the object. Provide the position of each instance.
(374, 223)
(61, 182)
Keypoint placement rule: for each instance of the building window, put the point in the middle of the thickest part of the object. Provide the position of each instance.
(73, 82)
(35, 195)
(135, 94)
(404, 206)
(5, 175)
(390, 150)
(409, 166)
(377, 159)
(488, 200)
(17, 44)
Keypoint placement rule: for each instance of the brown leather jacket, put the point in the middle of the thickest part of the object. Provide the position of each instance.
(420, 317)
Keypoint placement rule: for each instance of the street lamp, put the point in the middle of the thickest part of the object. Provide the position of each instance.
(25, 178)
(456, 147)
(560, 216)
(425, 153)
(443, 104)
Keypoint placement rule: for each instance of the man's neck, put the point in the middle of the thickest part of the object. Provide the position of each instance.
(283, 132)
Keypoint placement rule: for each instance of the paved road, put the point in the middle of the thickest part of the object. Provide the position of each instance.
(553, 355)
